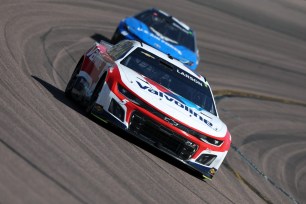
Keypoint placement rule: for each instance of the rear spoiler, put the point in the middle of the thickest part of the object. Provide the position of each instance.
(106, 44)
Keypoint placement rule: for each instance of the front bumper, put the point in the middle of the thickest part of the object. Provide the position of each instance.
(149, 128)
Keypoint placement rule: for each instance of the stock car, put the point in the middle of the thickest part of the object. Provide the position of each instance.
(162, 31)
(155, 98)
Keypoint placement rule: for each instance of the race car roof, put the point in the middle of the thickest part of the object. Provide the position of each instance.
(185, 26)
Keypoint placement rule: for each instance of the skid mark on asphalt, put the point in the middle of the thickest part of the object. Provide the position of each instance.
(49, 60)
(219, 95)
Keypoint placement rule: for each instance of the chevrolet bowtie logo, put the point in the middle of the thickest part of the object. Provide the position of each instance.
(172, 122)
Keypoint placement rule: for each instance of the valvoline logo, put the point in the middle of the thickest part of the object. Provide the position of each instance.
(176, 101)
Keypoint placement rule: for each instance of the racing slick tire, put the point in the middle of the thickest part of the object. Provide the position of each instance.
(93, 98)
(73, 78)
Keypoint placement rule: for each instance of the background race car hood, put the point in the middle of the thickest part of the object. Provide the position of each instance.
(142, 31)
(172, 104)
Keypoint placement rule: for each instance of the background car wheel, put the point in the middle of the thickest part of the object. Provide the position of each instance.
(72, 80)
(95, 95)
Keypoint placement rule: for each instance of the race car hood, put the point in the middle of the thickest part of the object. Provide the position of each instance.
(146, 35)
(171, 104)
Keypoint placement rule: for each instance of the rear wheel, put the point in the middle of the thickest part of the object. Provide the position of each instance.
(73, 78)
(95, 95)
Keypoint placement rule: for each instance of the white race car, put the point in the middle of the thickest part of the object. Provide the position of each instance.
(155, 98)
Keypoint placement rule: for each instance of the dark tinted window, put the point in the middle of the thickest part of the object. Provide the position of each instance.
(171, 77)
(167, 29)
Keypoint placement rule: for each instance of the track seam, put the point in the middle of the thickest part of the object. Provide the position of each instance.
(220, 94)
(257, 170)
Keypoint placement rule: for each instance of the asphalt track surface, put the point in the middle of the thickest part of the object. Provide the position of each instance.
(252, 52)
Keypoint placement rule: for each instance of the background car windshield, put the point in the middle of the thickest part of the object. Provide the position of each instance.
(167, 29)
(171, 77)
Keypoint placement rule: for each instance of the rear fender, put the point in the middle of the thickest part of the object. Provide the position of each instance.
(96, 63)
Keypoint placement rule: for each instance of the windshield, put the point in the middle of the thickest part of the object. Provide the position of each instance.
(167, 29)
(171, 77)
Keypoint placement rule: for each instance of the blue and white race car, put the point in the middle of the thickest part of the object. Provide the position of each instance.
(163, 32)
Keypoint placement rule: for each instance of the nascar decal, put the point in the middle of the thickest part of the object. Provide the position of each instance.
(174, 101)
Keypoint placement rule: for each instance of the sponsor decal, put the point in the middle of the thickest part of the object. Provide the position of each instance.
(172, 122)
(212, 171)
(147, 54)
(176, 102)
(157, 45)
(186, 75)
(94, 56)
(182, 29)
